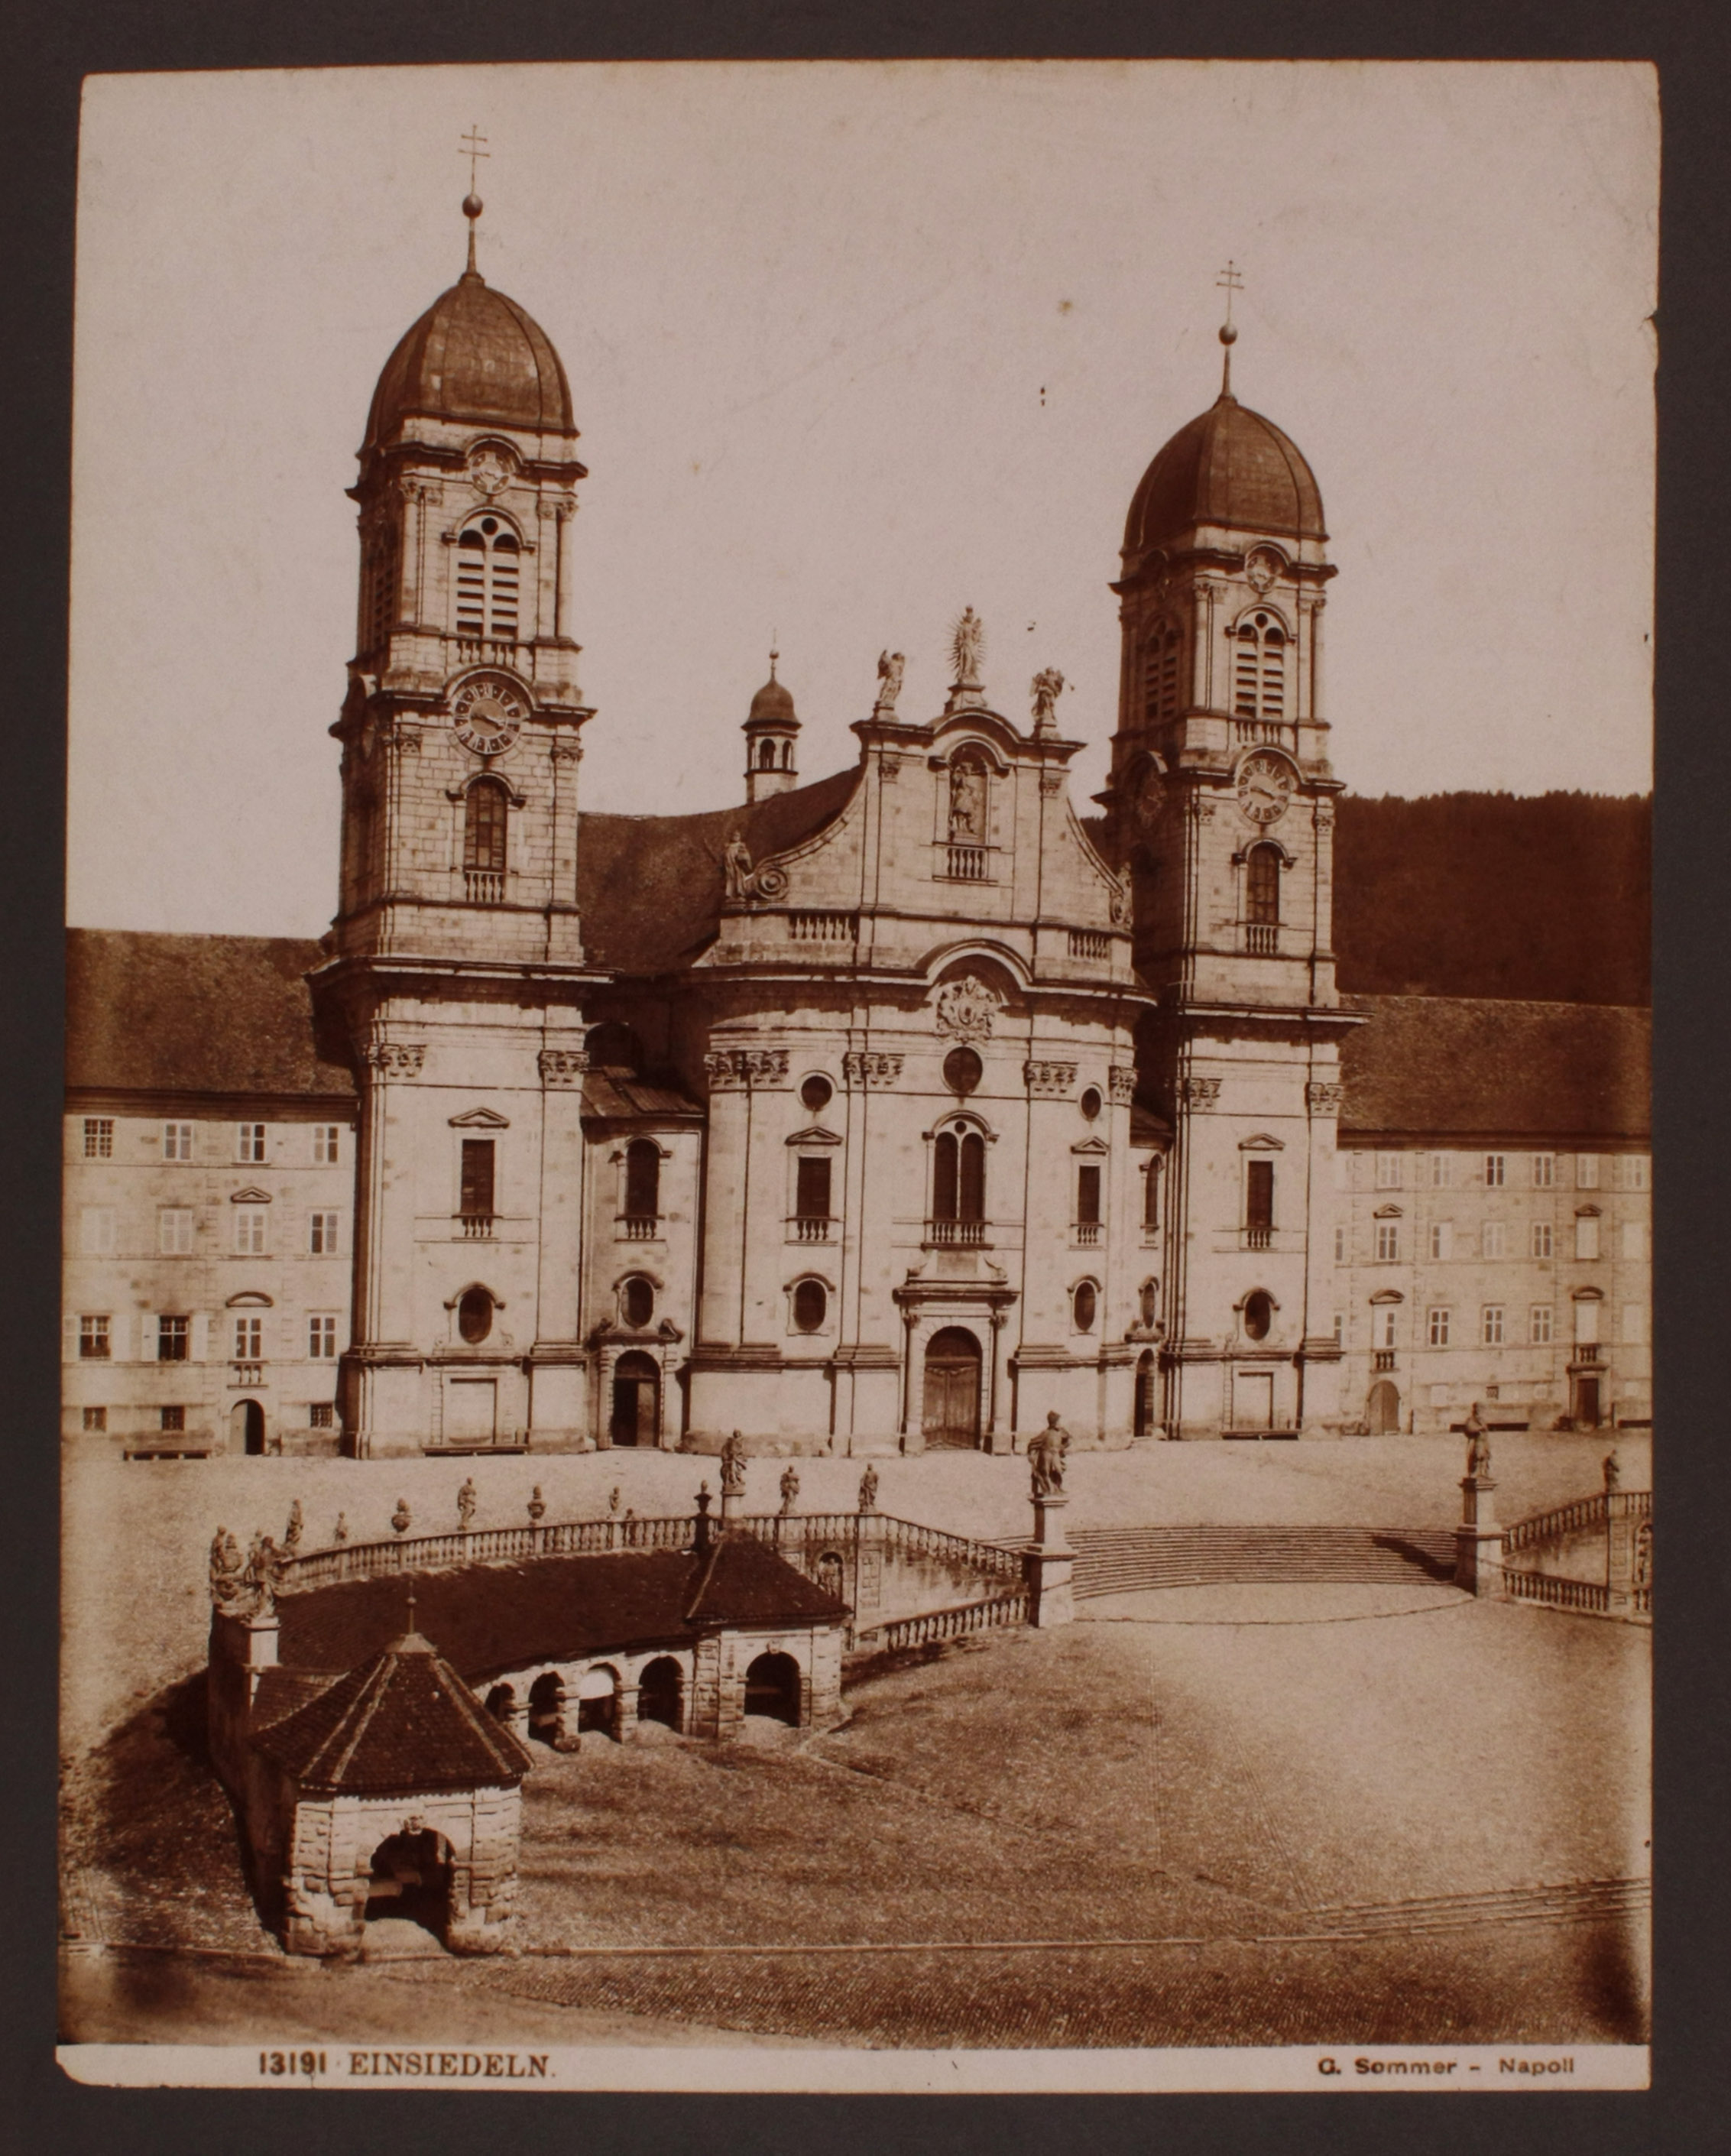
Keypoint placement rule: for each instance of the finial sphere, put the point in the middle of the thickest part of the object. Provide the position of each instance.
(1228, 334)
(472, 206)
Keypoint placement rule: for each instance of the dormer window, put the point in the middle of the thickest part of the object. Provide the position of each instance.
(1259, 669)
(488, 567)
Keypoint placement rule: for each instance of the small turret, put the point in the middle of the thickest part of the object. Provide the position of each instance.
(772, 730)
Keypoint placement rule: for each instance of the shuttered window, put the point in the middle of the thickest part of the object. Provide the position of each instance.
(1259, 1195)
(477, 1179)
(1087, 1193)
(489, 579)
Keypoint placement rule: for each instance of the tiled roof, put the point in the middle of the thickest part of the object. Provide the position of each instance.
(402, 1720)
(1229, 465)
(1461, 1067)
(194, 1014)
(553, 1609)
(622, 1094)
(650, 887)
(474, 355)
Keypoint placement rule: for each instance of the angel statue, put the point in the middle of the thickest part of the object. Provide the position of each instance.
(968, 647)
(737, 867)
(890, 664)
(1047, 686)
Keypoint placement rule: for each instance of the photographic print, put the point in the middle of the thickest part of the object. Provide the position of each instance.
(857, 1161)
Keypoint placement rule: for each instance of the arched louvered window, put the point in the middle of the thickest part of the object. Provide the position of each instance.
(1261, 886)
(1259, 669)
(489, 579)
(1159, 673)
(484, 812)
(381, 590)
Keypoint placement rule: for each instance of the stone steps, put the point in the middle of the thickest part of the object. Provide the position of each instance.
(1124, 1560)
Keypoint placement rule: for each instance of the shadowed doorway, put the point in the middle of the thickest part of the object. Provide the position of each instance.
(951, 1406)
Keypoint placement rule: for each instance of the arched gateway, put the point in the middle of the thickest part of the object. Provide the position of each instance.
(953, 1388)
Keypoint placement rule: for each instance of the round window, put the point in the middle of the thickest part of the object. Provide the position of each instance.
(637, 1300)
(816, 1093)
(1258, 1315)
(811, 1305)
(1091, 1102)
(963, 1070)
(1085, 1302)
(475, 1315)
(490, 525)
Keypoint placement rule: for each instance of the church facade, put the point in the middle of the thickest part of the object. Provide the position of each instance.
(896, 1110)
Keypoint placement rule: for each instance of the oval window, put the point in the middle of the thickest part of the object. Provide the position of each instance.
(490, 525)
(963, 1070)
(1091, 1102)
(1085, 1302)
(1150, 1301)
(811, 1305)
(475, 1315)
(1258, 1315)
(637, 1299)
(816, 1093)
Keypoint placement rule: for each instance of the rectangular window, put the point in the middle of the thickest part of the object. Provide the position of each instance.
(1388, 1171)
(95, 1418)
(1491, 1325)
(811, 1195)
(172, 1419)
(1496, 1170)
(1382, 1325)
(1544, 1242)
(1586, 1171)
(1586, 1324)
(321, 1415)
(174, 1230)
(1087, 1193)
(1493, 1239)
(1151, 1195)
(1339, 1329)
(1388, 1241)
(249, 1141)
(1634, 1176)
(1586, 1236)
(177, 1140)
(1635, 1239)
(1540, 1323)
(1259, 1200)
(1340, 1246)
(1443, 1239)
(326, 1144)
(99, 1137)
(249, 1230)
(321, 1339)
(173, 1338)
(1441, 1171)
(93, 1340)
(1437, 1327)
(248, 1339)
(1544, 1170)
(322, 1235)
(1634, 1324)
(95, 1231)
(476, 1202)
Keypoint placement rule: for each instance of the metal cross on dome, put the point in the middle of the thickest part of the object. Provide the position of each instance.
(1229, 281)
(472, 149)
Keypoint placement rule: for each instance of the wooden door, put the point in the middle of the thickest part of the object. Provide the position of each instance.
(951, 1402)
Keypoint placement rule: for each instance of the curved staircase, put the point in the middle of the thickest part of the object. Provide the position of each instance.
(1123, 1560)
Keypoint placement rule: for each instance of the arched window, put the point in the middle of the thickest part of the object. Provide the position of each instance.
(484, 813)
(811, 1306)
(958, 1187)
(1084, 1305)
(642, 1180)
(1159, 673)
(489, 564)
(1259, 669)
(637, 1301)
(1262, 887)
(766, 755)
(475, 1315)
(381, 590)
(787, 755)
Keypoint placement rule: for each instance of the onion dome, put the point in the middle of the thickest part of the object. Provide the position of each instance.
(1232, 467)
(772, 703)
(476, 356)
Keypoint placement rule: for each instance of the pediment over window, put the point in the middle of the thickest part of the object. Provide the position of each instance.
(250, 1298)
(251, 1196)
(480, 1119)
(816, 1136)
(1387, 1295)
(1588, 1212)
(1388, 1213)
(1588, 1294)
(1263, 1142)
(1094, 1146)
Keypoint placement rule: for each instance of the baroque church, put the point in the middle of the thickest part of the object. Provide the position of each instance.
(899, 1110)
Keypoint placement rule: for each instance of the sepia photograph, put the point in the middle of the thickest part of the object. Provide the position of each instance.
(857, 1163)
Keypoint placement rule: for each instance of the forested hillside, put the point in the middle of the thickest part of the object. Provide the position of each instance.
(1495, 895)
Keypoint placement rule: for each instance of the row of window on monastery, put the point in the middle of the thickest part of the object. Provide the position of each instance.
(311, 1145)
(1490, 1240)
(1494, 1171)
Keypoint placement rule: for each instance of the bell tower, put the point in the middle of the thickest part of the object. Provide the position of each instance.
(1220, 806)
(771, 739)
(456, 969)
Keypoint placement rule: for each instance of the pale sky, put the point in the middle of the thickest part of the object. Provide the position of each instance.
(852, 345)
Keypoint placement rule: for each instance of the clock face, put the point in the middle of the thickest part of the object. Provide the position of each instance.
(1265, 787)
(487, 711)
(1150, 798)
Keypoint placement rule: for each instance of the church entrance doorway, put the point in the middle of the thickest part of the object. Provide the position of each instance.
(247, 1424)
(411, 1878)
(952, 1407)
(772, 1688)
(636, 1400)
(1382, 1414)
